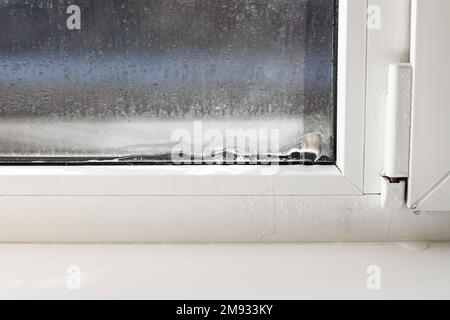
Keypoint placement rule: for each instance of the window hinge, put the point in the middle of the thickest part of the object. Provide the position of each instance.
(397, 136)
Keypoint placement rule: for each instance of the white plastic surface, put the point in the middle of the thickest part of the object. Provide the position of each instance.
(225, 272)
(392, 194)
(388, 41)
(212, 219)
(430, 148)
(398, 122)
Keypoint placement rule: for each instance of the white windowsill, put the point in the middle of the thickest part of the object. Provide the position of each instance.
(224, 272)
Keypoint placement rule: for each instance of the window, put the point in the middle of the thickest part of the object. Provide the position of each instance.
(126, 81)
(101, 203)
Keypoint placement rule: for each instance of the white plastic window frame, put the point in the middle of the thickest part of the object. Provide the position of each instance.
(345, 178)
(190, 204)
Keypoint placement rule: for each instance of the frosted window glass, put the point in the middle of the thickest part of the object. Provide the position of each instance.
(136, 71)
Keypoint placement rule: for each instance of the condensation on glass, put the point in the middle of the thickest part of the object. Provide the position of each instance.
(137, 71)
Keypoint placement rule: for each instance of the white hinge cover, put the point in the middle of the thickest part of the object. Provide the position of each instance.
(393, 194)
(397, 136)
(398, 121)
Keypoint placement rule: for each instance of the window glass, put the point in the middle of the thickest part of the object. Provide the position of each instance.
(143, 81)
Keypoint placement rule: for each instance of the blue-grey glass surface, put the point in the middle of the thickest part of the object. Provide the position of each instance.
(137, 70)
